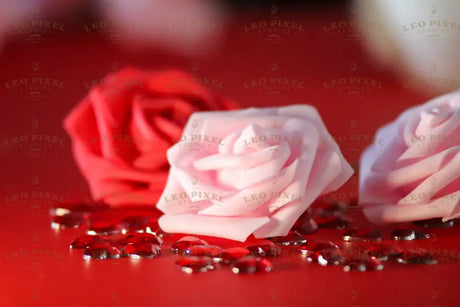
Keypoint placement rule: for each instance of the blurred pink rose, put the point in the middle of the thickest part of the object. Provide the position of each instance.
(11, 14)
(185, 26)
(252, 171)
(412, 171)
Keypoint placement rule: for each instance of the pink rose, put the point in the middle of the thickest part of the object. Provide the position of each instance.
(190, 27)
(412, 171)
(120, 132)
(252, 171)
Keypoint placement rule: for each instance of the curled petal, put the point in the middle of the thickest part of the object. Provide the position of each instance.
(221, 161)
(251, 198)
(328, 169)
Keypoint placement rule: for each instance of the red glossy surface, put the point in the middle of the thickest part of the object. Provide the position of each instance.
(37, 169)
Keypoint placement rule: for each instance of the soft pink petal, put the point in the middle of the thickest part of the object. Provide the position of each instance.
(390, 213)
(427, 141)
(327, 169)
(242, 178)
(220, 161)
(249, 199)
(379, 186)
(174, 199)
(433, 184)
(225, 125)
(252, 138)
(226, 146)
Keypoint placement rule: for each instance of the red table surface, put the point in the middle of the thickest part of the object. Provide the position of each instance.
(37, 268)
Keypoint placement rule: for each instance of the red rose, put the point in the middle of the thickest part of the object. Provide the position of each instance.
(120, 132)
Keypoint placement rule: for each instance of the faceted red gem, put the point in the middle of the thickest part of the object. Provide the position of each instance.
(407, 257)
(153, 228)
(142, 237)
(305, 226)
(140, 223)
(407, 234)
(325, 257)
(421, 234)
(359, 235)
(265, 250)
(141, 250)
(332, 222)
(382, 252)
(434, 223)
(203, 250)
(321, 220)
(69, 220)
(313, 246)
(101, 251)
(334, 209)
(362, 263)
(373, 264)
(292, 238)
(86, 240)
(234, 253)
(251, 264)
(104, 227)
(195, 264)
(182, 244)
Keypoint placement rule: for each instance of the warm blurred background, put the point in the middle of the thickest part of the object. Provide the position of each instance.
(419, 39)
(360, 63)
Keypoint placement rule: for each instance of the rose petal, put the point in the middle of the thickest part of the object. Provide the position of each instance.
(428, 143)
(152, 160)
(224, 124)
(109, 120)
(309, 114)
(249, 199)
(233, 228)
(151, 135)
(326, 170)
(455, 212)
(246, 177)
(384, 213)
(198, 185)
(433, 184)
(220, 161)
(226, 146)
(254, 138)
(106, 177)
(385, 186)
(168, 127)
(174, 200)
(298, 185)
